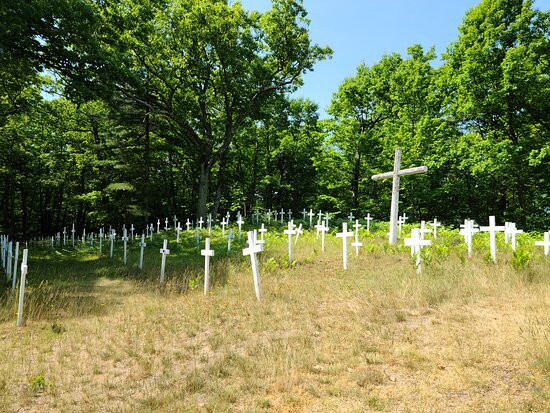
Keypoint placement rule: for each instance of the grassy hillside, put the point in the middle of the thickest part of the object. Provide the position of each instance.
(465, 335)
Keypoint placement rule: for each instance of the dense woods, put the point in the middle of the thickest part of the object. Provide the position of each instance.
(119, 111)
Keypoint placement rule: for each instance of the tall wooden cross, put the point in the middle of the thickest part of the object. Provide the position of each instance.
(252, 250)
(396, 174)
(207, 252)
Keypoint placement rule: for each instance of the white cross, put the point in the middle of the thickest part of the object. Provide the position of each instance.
(282, 215)
(512, 231)
(151, 232)
(396, 174)
(298, 233)
(207, 253)
(320, 215)
(492, 229)
(304, 213)
(345, 234)
(200, 222)
(112, 239)
(24, 270)
(84, 235)
(356, 243)
(545, 243)
(175, 221)
(166, 224)
(240, 222)
(158, 226)
(368, 219)
(142, 245)
(350, 216)
(252, 250)
(262, 231)
(290, 232)
(257, 216)
(423, 229)
(209, 221)
(289, 214)
(73, 231)
(468, 229)
(324, 229)
(178, 229)
(64, 235)
(434, 225)
(311, 215)
(125, 239)
(229, 236)
(269, 217)
(164, 251)
(100, 240)
(416, 243)
(132, 231)
(223, 224)
(188, 224)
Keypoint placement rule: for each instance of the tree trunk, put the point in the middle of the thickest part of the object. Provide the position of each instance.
(221, 182)
(355, 180)
(204, 177)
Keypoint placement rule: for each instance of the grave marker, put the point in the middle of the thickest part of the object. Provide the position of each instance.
(142, 245)
(22, 281)
(290, 232)
(345, 234)
(252, 250)
(324, 229)
(395, 175)
(207, 253)
(492, 229)
(125, 239)
(434, 225)
(298, 233)
(229, 236)
(416, 243)
(368, 218)
(164, 251)
(311, 215)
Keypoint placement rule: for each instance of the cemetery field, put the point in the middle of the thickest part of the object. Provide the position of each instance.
(465, 335)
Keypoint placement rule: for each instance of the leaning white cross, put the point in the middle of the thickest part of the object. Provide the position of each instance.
(368, 218)
(416, 243)
(207, 253)
(290, 231)
(492, 229)
(252, 250)
(396, 174)
(164, 251)
(545, 243)
(298, 233)
(356, 243)
(142, 245)
(24, 270)
(345, 234)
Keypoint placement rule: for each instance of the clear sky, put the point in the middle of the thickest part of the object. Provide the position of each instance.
(361, 31)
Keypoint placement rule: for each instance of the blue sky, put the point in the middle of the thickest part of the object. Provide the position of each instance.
(361, 31)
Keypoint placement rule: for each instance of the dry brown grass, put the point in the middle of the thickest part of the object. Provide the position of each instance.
(463, 336)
